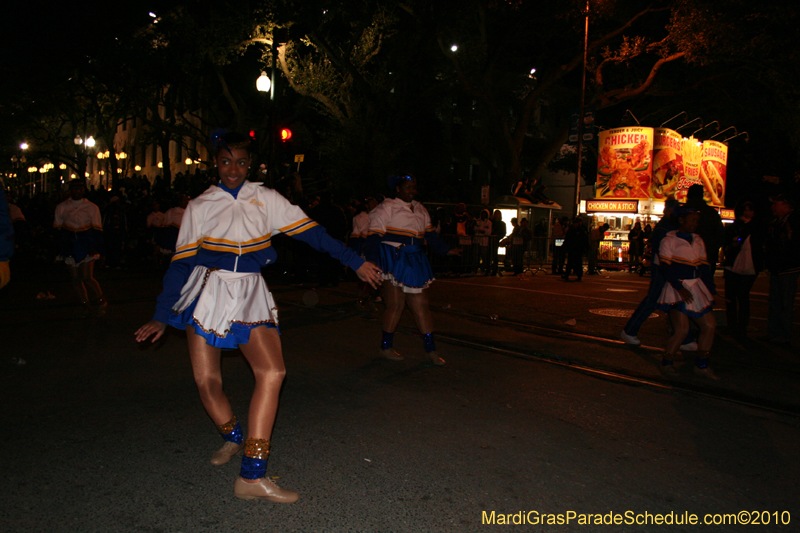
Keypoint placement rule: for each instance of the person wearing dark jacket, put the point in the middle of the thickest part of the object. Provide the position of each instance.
(743, 260)
(576, 242)
(6, 239)
(782, 255)
(710, 227)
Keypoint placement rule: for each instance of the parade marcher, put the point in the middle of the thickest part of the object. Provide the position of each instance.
(688, 292)
(6, 239)
(576, 241)
(80, 238)
(397, 228)
(744, 259)
(214, 289)
(782, 253)
(667, 223)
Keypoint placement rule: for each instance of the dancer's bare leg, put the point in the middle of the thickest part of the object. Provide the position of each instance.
(265, 356)
(208, 377)
(395, 300)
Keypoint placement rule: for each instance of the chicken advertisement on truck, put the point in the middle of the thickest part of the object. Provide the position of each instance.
(624, 164)
(659, 163)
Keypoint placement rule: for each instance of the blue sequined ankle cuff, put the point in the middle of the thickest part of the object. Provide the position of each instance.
(387, 340)
(232, 431)
(253, 468)
(430, 345)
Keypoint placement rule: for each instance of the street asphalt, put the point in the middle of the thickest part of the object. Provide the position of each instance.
(540, 410)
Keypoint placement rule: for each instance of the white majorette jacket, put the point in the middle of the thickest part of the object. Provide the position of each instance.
(79, 231)
(395, 222)
(77, 215)
(232, 231)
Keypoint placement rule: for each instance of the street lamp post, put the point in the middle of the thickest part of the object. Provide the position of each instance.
(580, 116)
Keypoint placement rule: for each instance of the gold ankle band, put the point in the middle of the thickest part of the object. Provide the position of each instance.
(256, 448)
(228, 426)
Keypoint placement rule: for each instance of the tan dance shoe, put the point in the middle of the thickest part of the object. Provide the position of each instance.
(391, 355)
(224, 454)
(264, 489)
(435, 359)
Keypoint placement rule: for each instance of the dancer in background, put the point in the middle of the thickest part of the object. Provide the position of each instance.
(688, 292)
(80, 238)
(397, 228)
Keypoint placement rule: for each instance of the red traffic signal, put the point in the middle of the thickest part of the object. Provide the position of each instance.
(286, 134)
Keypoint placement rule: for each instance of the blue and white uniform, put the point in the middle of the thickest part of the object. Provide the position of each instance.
(214, 281)
(683, 263)
(397, 230)
(79, 231)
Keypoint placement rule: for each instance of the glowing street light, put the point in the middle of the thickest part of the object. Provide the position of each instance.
(263, 83)
(454, 48)
(23, 146)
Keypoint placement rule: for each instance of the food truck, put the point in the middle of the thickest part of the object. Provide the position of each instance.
(638, 169)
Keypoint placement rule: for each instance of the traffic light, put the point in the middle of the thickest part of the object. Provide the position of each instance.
(286, 134)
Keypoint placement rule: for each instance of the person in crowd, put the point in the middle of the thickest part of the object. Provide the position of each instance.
(361, 225)
(743, 259)
(155, 225)
(465, 224)
(560, 228)
(115, 231)
(782, 254)
(214, 290)
(634, 244)
(482, 240)
(80, 239)
(576, 242)
(172, 225)
(331, 217)
(667, 223)
(710, 227)
(397, 228)
(595, 236)
(498, 233)
(688, 292)
(6, 239)
(521, 244)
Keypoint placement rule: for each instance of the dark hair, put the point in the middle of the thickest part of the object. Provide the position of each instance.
(395, 181)
(229, 141)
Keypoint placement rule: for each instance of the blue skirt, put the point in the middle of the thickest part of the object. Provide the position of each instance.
(406, 266)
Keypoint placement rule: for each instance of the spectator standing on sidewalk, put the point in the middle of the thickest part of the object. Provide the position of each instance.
(688, 292)
(498, 233)
(576, 242)
(595, 236)
(667, 223)
(6, 239)
(782, 254)
(743, 260)
(559, 232)
(635, 247)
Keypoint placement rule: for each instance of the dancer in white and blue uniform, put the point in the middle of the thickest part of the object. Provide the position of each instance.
(688, 292)
(214, 290)
(397, 229)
